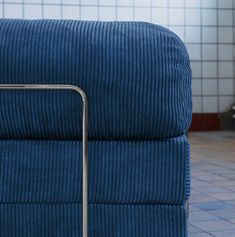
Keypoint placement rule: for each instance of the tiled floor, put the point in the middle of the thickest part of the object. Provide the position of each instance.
(212, 201)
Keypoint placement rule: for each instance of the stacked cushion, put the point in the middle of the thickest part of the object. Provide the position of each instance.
(136, 76)
(121, 172)
(138, 82)
(63, 220)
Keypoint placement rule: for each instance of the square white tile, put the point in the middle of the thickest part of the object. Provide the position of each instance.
(209, 3)
(226, 87)
(225, 103)
(197, 87)
(1, 11)
(193, 34)
(142, 14)
(226, 69)
(193, 16)
(209, 52)
(160, 16)
(176, 16)
(210, 104)
(51, 2)
(72, 2)
(13, 1)
(225, 17)
(89, 2)
(51, 12)
(107, 13)
(197, 104)
(196, 69)
(13, 11)
(193, 3)
(225, 35)
(89, 13)
(225, 3)
(124, 2)
(107, 2)
(159, 3)
(32, 11)
(178, 3)
(209, 17)
(209, 34)
(71, 12)
(209, 69)
(194, 51)
(142, 3)
(210, 87)
(32, 1)
(225, 52)
(125, 14)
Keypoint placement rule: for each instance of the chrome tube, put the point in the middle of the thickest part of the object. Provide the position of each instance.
(84, 137)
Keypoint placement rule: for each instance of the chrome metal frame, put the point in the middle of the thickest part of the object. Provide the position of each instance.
(84, 137)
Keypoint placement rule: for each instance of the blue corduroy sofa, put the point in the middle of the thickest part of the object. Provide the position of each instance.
(137, 79)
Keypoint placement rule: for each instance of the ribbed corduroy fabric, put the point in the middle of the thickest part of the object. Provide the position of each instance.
(120, 172)
(136, 75)
(138, 82)
(64, 220)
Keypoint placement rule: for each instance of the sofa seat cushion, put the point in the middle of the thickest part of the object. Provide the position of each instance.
(120, 171)
(136, 75)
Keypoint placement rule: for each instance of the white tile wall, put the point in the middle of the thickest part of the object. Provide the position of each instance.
(209, 3)
(209, 51)
(225, 17)
(107, 13)
(107, 2)
(196, 69)
(226, 52)
(13, 11)
(194, 51)
(142, 3)
(160, 3)
(176, 16)
(206, 26)
(209, 17)
(193, 34)
(51, 12)
(89, 13)
(178, 3)
(197, 104)
(225, 34)
(210, 104)
(33, 11)
(70, 12)
(197, 87)
(193, 3)
(1, 11)
(193, 17)
(160, 16)
(225, 3)
(210, 87)
(143, 14)
(209, 34)
(125, 14)
(226, 87)
(226, 69)
(209, 70)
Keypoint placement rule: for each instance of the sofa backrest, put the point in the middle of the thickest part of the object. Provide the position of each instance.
(136, 76)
